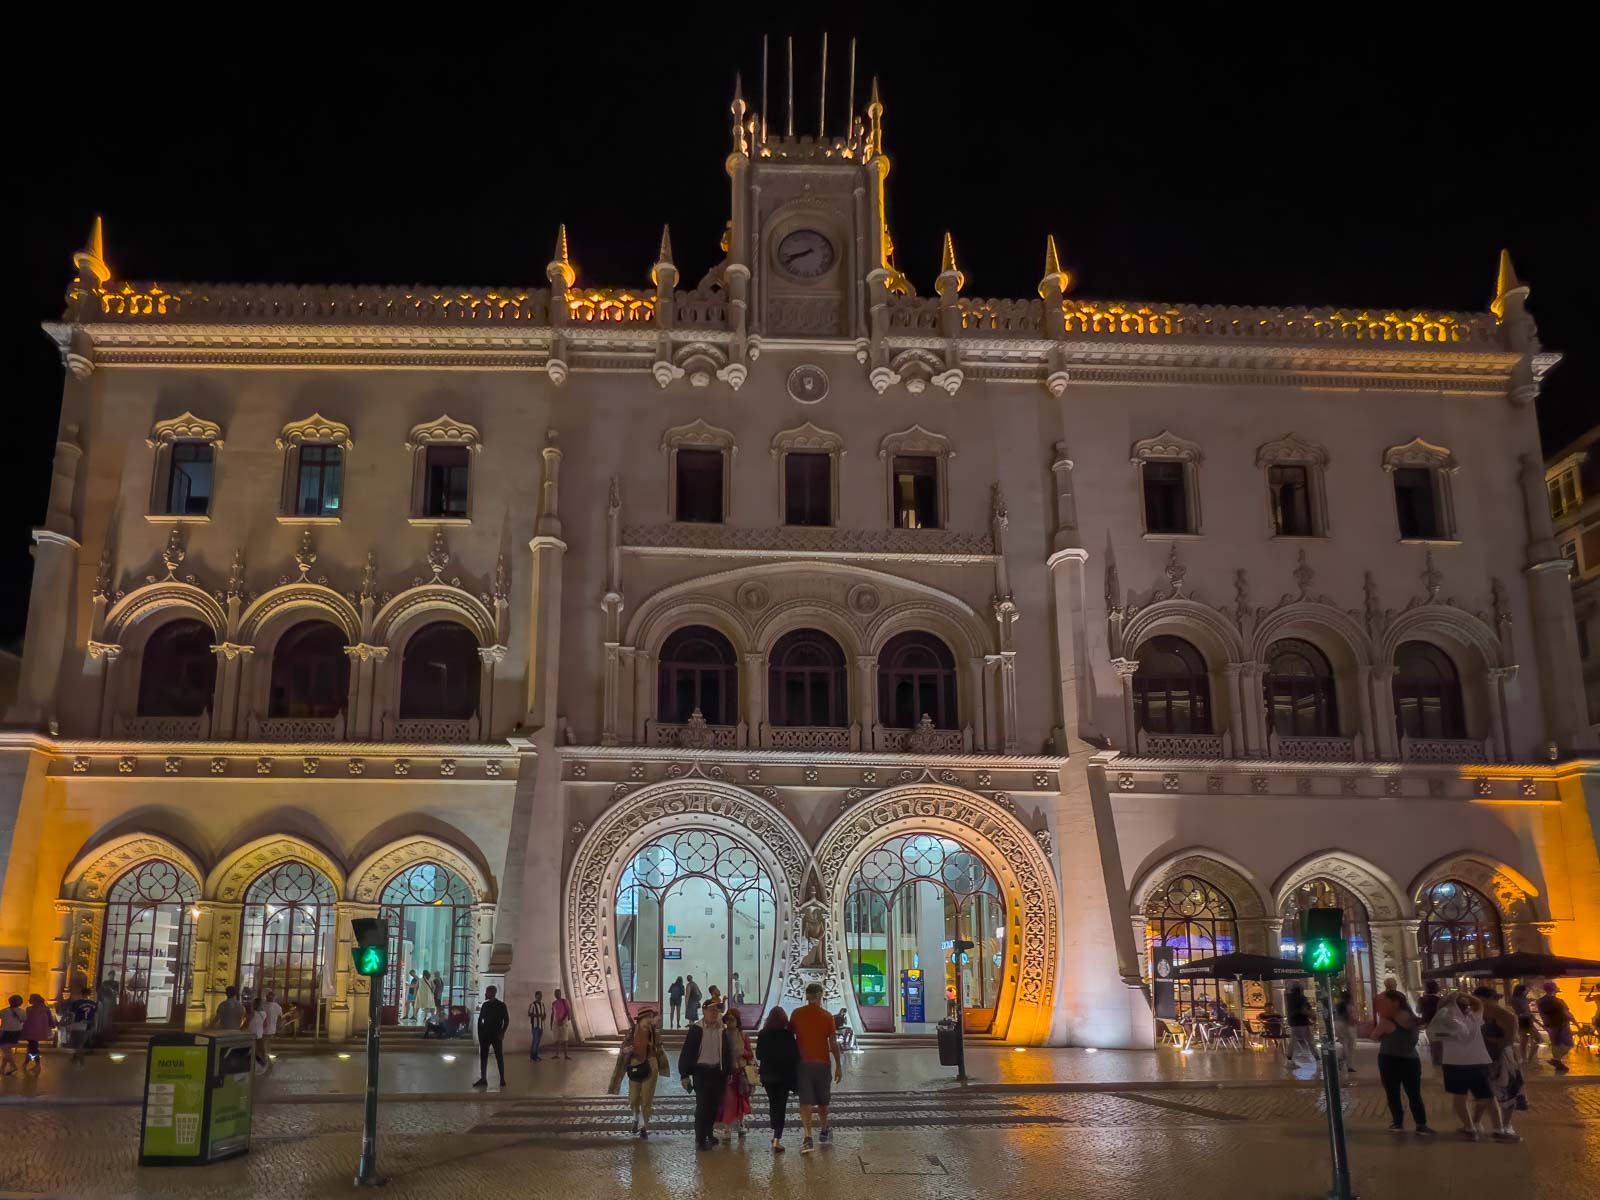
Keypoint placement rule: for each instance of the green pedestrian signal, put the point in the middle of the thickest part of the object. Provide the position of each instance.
(371, 951)
(1323, 930)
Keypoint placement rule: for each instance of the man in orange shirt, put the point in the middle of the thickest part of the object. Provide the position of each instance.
(814, 1031)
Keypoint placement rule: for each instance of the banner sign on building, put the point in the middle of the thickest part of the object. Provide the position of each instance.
(1163, 995)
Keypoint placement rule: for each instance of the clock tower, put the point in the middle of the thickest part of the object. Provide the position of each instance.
(807, 238)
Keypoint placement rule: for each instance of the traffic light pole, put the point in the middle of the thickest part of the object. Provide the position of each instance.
(1330, 1086)
(367, 1173)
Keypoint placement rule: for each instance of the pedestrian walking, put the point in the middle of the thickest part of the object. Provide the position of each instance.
(230, 1013)
(1458, 1026)
(815, 1037)
(1298, 1009)
(12, 1018)
(675, 998)
(272, 1016)
(779, 1056)
(257, 1025)
(735, 1110)
(1522, 1009)
(1344, 1029)
(494, 1018)
(1399, 1064)
(691, 1000)
(37, 1025)
(735, 990)
(1557, 1018)
(643, 1061)
(1505, 1063)
(703, 1064)
(536, 1018)
(80, 1024)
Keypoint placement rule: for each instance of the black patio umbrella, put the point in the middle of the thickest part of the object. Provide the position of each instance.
(1242, 966)
(1523, 965)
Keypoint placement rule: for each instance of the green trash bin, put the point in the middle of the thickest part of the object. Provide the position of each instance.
(198, 1092)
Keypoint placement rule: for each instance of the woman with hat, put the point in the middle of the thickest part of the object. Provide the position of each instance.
(643, 1061)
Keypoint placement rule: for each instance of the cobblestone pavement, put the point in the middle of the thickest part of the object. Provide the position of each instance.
(1006, 1139)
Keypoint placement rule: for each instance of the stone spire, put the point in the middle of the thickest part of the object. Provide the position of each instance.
(874, 121)
(1506, 286)
(738, 109)
(90, 264)
(948, 270)
(561, 264)
(664, 260)
(1055, 282)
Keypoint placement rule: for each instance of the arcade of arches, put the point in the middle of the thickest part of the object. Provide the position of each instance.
(139, 916)
(1200, 908)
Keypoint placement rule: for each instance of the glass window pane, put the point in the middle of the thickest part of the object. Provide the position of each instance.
(448, 476)
(700, 486)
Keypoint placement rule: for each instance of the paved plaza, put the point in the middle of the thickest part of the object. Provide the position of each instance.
(1040, 1123)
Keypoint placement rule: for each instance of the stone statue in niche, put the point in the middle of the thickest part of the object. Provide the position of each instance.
(814, 929)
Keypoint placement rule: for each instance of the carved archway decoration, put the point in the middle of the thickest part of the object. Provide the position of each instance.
(94, 872)
(370, 875)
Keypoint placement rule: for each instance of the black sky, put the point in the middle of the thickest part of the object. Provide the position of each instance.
(1224, 156)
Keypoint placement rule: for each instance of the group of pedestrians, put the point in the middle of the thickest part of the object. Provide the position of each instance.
(28, 1026)
(259, 1017)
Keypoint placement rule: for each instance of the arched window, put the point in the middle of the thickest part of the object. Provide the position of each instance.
(1458, 925)
(698, 671)
(310, 672)
(1299, 691)
(1171, 690)
(807, 681)
(431, 928)
(1427, 693)
(1322, 892)
(439, 676)
(178, 672)
(1197, 921)
(917, 677)
(289, 925)
(149, 935)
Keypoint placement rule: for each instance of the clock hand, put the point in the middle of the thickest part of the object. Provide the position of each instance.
(798, 254)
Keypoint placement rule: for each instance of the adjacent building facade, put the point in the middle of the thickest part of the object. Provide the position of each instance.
(1572, 476)
(785, 628)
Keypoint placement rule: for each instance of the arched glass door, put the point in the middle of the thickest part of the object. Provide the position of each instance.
(1325, 893)
(696, 903)
(149, 936)
(288, 938)
(1196, 920)
(430, 915)
(908, 901)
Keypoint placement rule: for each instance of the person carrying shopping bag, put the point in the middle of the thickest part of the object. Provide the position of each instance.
(643, 1061)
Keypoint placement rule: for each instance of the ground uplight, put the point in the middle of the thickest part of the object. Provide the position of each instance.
(344, 1058)
(117, 1057)
(448, 1057)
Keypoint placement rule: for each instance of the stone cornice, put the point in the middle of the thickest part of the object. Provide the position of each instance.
(811, 758)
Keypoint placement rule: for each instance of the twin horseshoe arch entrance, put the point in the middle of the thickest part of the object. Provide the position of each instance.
(806, 883)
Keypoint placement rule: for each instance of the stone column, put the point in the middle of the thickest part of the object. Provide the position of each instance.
(1369, 740)
(1387, 743)
(549, 553)
(1394, 952)
(612, 698)
(643, 676)
(979, 703)
(347, 1007)
(530, 926)
(755, 698)
(231, 658)
(107, 655)
(1494, 692)
(1239, 723)
(481, 973)
(1008, 700)
(220, 938)
(1125, 668)
(197, 1009)
(866, 699)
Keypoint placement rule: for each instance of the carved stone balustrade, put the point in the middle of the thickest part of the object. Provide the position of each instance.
(1444, 750)
(689, 737)
(1314, 749)
(1184, 745)
(806, 737)
(439, 731)
(297, 729)
(166, 729)
(923, 741)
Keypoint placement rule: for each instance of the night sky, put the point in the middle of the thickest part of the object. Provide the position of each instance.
(1356, 159)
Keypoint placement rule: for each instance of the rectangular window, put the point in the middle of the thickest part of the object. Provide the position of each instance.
(807, 489)
(916, 492)
(447, 477)
(1166, 500)
(321, 478)
(1291, 500)
(1415, 503)
(700, 486)
(189, 480)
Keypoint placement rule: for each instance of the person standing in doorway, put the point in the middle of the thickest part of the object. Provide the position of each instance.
(735, 990)
(536, 1018)
(257, 1025)
(410, 1013)
(37, 1025)
(814, 1035)
(691, 1000)
(230, 1013)
(12, 1018)
(561, 1018)
(643, 1061)
(427, 998)
(272, 1014)
(1557, 1018)
(1399, 1065)
(703, 1063)
(494, 1018)
(675, 999)
(779, 1056)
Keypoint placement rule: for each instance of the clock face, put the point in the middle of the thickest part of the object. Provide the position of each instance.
(805, 254)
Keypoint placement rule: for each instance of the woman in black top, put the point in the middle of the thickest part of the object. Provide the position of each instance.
(779, 1056)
